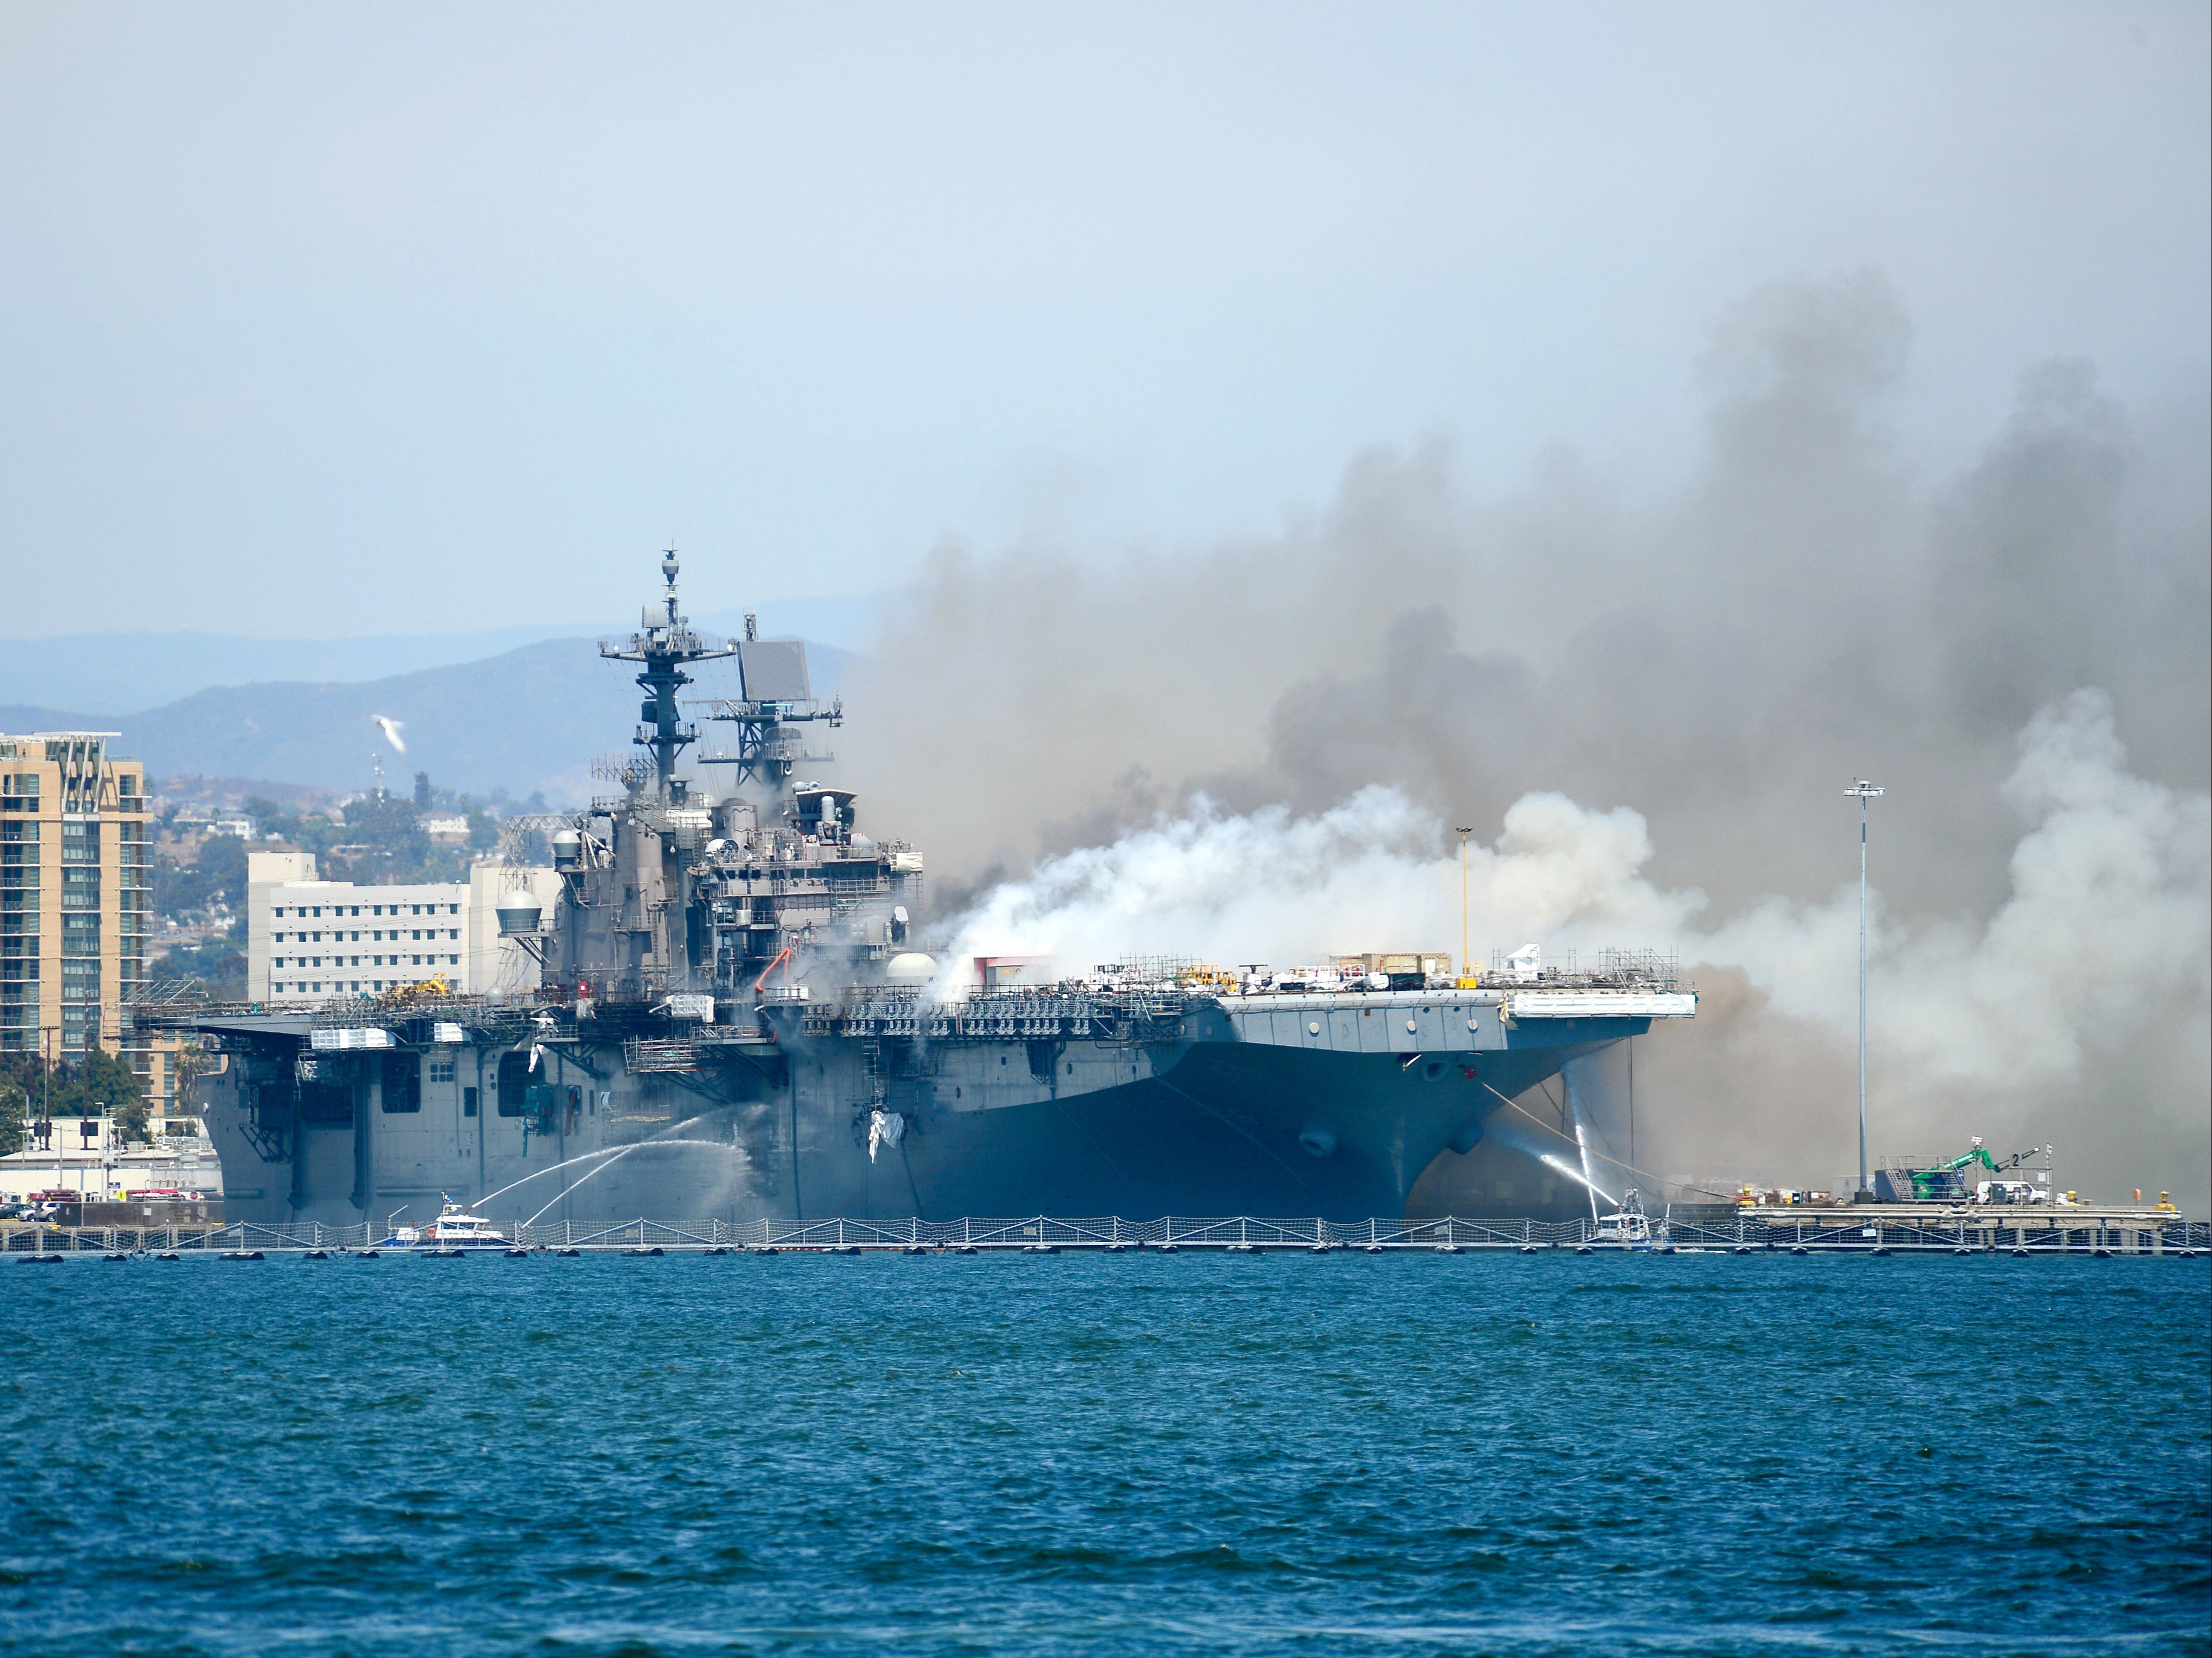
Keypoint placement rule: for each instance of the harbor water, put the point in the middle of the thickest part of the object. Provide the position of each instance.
(1256, 1454)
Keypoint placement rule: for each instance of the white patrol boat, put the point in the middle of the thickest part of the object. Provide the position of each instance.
(1628, 1227)
(457, 1229)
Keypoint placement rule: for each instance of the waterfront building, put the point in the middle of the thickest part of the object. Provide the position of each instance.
(89, 1158)
(310, 940)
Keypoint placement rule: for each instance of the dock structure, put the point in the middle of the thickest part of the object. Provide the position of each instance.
(1861, 1229)
(2118, 1229)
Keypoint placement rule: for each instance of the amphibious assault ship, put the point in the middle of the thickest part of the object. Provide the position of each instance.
(728, 1014)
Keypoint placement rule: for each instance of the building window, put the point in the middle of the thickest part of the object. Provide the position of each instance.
(442, 1069)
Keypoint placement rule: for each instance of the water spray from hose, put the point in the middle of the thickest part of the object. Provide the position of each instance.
(1551, 1162)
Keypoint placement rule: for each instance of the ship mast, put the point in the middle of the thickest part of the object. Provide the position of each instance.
(662, 645)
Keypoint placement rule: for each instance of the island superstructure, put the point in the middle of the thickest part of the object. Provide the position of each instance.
(732, 1018)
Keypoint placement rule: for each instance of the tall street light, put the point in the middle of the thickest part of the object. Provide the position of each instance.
(1862, 792)
(1466, 967)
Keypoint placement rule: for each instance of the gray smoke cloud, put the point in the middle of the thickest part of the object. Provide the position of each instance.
(2017, 647)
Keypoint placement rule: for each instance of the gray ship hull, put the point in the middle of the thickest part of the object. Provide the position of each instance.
(1225, 1131)
(730, 1021)
(1329, 1106)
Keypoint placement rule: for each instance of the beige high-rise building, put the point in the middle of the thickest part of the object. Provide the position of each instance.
(75, 893)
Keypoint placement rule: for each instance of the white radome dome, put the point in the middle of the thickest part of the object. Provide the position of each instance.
(518, 913)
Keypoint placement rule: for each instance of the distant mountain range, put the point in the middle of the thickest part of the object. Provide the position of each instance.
(151, 670)
(524, 719)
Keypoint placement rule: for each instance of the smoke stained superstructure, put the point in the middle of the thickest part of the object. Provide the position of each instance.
(1820, 601)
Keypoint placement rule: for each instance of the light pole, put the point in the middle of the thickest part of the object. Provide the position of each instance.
(1862, 792)
(1466, 967)
(48, 1060)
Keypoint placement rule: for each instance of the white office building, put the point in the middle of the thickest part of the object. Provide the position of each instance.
(309, 940)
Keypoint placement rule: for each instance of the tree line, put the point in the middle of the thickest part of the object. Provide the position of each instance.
(99, 1083)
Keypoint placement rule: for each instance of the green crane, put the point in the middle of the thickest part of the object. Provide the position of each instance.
(1946, 1183)
(1946, 1180)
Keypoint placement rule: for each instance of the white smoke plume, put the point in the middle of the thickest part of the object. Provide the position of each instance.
(2106, 938)
(1366, 874)
(1823, 597)
(2104, 943)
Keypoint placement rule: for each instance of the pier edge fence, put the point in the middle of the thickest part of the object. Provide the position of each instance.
(1238, 1234)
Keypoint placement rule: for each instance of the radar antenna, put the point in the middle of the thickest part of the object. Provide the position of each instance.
(663, 644)
(774, 696)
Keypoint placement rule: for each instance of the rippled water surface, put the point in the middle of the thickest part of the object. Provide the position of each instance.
(1410, 1454)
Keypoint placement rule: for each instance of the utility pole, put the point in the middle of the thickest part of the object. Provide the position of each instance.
(1861, 791)
(1466, 967)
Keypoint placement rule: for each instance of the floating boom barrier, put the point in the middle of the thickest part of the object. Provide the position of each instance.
(2040, 1231)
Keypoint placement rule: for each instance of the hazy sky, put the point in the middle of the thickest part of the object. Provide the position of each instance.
(343, 320)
